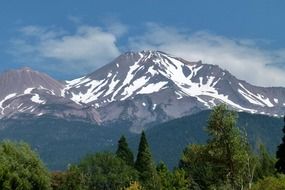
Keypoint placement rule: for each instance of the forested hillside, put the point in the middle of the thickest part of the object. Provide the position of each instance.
(169, 139)
(61, 142)
(224, 161)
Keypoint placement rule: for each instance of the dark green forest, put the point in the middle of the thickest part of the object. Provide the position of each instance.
(224, 159)
(61, 142)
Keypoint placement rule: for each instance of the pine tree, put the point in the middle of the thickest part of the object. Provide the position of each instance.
(228, 148)
(124, 152)
(144, 162)
(145, 166)
(266, 162)
(280, 154)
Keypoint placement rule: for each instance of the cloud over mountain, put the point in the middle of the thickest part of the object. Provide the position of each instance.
(70, 52)
(90, 47)
(243, 57)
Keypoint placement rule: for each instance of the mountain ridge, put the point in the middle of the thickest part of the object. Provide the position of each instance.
(141, 87)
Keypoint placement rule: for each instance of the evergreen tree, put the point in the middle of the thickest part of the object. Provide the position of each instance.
(280, 154)
(145, 166)
(124, 152)
(265, 165)
(228, 148)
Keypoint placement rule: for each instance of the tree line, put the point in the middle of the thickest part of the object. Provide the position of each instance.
(225, 162)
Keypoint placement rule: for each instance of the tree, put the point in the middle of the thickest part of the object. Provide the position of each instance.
(228, 148)
(124, 152)
(103, 171)
(280, 155)
(73, 178)
(21, 168)
(265, 165)
(225, 162)
(195, 162)
(145, 166)
(176, 180)
(134, 186)
(58, 179)
(270, 183)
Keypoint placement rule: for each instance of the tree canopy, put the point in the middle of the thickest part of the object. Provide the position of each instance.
(280, 155)
(225, 160)
(101, 171)
(124, 151)
(145, 165)
(21, 168)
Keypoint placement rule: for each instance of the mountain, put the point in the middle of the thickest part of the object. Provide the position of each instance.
(141, 88)
(150, 87)
(168, 96)
(25, 92)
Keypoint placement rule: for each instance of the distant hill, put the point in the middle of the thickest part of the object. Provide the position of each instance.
(167, 140)
(61, 142)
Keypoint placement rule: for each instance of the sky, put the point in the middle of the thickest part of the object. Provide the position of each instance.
(68, 39)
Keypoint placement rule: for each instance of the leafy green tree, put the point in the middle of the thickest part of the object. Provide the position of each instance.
(280, 154)
(270, 183)
(73, 178)
(21, 168)
(104, 171)
(58, 179)
(70, 179)
(194, 161)
(124, 152)
(176, 180)
(265, 165)
(225, 162)
(134, 186)
(145, 165)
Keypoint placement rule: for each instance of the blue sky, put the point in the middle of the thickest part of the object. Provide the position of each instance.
(67, 38)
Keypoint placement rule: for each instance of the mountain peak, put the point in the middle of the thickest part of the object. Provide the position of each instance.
(18, 80)
(145, 53)
(21, 72)
(25, 69)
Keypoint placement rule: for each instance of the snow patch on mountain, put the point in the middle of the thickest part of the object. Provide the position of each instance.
(151, 88)
(5, 99)
(257, 99)
(28, 90)
(36, 98)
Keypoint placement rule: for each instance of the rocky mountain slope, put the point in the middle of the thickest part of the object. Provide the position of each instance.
(152, 86)
(30, 93)
(143, 88)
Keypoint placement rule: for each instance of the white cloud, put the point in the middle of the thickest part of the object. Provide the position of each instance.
(90, 47)
(242, 57)
(82, 51)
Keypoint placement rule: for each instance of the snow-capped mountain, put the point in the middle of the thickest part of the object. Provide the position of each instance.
(153, 86)
(30, 92)
(141, 87)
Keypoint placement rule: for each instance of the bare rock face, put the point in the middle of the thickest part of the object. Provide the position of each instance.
(143, 88)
